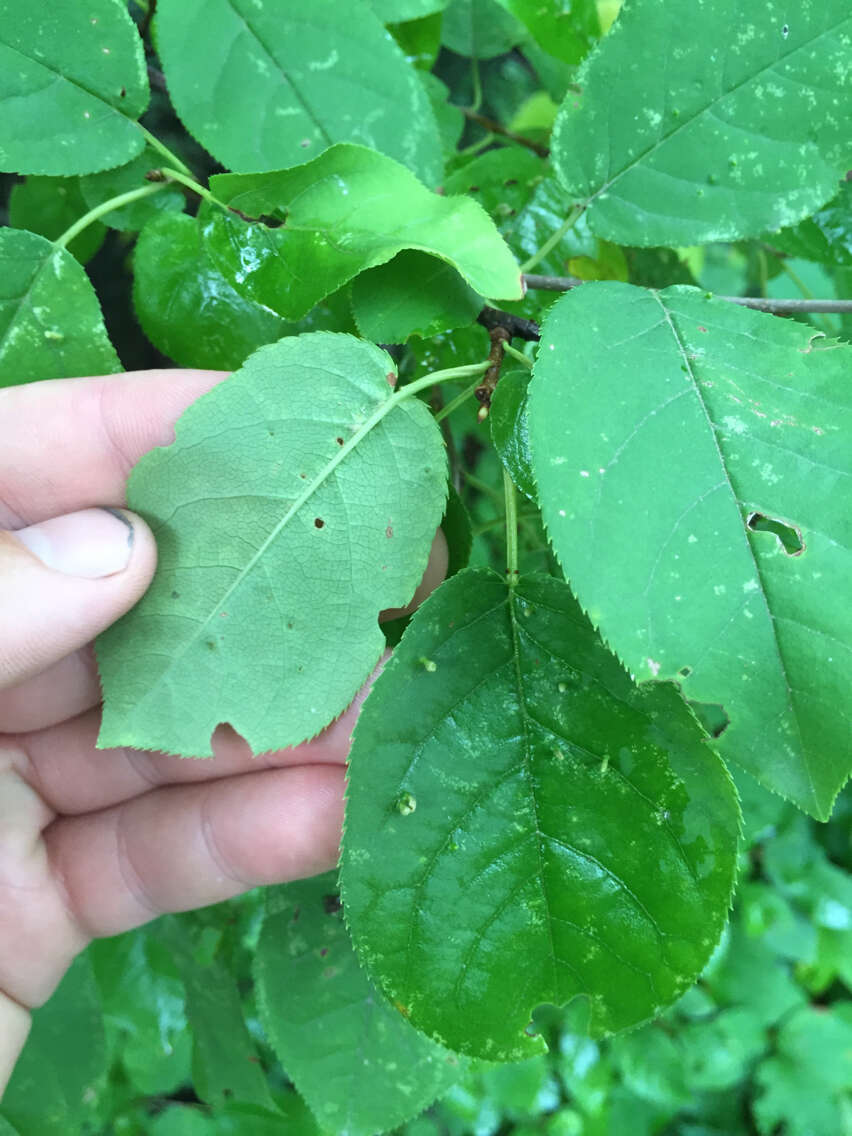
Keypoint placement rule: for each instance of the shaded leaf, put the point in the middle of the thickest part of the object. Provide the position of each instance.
(97, 188)
(185, 305)
(348, 210)
(49, 206)
(50, 319)
(508, 788)
(420, 40)
(566, 31)
(480, 29)
(509, 430)
(54, 1084)
(72, 84)
(413, 294)
(743, 130)
(395, 11)
(357, 1062)
(268, 86)
(825, 237)
(288, 512)
(663, 426)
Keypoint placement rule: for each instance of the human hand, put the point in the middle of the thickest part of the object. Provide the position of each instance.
(94, 842)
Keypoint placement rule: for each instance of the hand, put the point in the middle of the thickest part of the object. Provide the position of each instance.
(94, 842)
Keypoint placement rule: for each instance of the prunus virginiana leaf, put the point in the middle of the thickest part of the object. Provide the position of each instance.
(354, 1058)
(347, 210)
(693, 467)
(509, 429)
(396, 11)
(299, 499)
(50, 319)
(49, 206)
(72, 84)
(388, 310)
(97, 188)
(825, 237)
(745, 128)
(565, 31)
(267, 85)
(480, 29)
(523, 825)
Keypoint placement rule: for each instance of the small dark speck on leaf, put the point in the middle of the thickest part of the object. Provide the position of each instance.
(175, 595)
(297, 911)
(323, 952)
(319, 523)
(305, 143)
(331, 904)
(685, 672)
(473, 189)
(227, 1093)
(303, 476)
(391, 378)
(389, 532)
(702, 328)
(511, 181)
(339, 441)
(122, 93)
(210, 644)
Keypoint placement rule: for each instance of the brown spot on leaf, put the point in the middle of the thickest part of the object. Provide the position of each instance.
(391, 378)
(389, 532)
(319, 523)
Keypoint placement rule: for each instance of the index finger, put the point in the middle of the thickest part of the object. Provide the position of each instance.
(70, 443)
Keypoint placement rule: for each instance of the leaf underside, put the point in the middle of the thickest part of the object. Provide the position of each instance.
(509, 788)
(666, 430)
(284, 525)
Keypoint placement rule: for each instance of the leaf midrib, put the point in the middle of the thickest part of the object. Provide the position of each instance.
(651, 150)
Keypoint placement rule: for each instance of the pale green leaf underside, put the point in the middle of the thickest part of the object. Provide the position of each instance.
(72, 83)
(659, 423)
(266, 86)
(347, 210)
(397, 11)
(284, 524)
(51, 325)
(504, 805)
(743, 127)
(357, 1062)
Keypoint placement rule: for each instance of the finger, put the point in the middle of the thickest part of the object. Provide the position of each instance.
(65, 580)
(61, 691)
(116, 419)
(436, 570)
(74, 777)
(188, 846)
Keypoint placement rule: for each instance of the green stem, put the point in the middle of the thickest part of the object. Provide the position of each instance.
(511, 530)
(554, 239)
(475, 147)
(104, 208)
(482, 486)
(477, 84)
(191, 183)
(519, 355)
(163, 149)
(458, 401)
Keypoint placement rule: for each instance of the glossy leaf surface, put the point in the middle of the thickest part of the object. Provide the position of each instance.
(298, 500)
(566, 31)
(354, 1058)
(388, 309)
(826, 237)
(72, 84)
(348, 210)
(50, 319)
(744, 129)
(265, 86)
(186, 306)
(671, 437)
(509, 788)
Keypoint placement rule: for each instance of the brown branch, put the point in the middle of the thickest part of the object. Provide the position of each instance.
(491, 124)
(516, 326)
(758, 303)
(483, 393)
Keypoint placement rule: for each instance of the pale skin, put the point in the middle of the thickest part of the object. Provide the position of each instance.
(95, 842)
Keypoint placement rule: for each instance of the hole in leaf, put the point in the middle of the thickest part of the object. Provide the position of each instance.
(685, 672)
(789, 536)
(712, 716)
(331, 904)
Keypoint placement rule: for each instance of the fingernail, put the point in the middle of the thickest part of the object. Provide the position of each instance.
(91, 543)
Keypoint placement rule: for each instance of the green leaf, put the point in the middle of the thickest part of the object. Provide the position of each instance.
(448, 116)
(225, 1066)
(395, 11)
(347, 210)
(744, 129)
(458, 531)
(825, 237)
(508, 789)
(420, 40)
(289, 528)
(266, 86)
(72, 83)
(509, 429)
(357, 1062)
(566, 31)
(49, 206)
(50, 319)
(413, 294)
(805, 1085)
(747, 973)
(54, 1084)
(97, 188)
(480, 29)
(662, 427)
(718, 1053)
(185, 305)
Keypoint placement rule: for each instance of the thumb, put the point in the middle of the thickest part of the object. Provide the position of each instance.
(65, 580)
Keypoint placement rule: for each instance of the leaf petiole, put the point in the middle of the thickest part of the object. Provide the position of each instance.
(191, 183)
(519, 355)
(163, 149)
(458, 401)
(106, 207)
(511, 530)
(554, 239)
